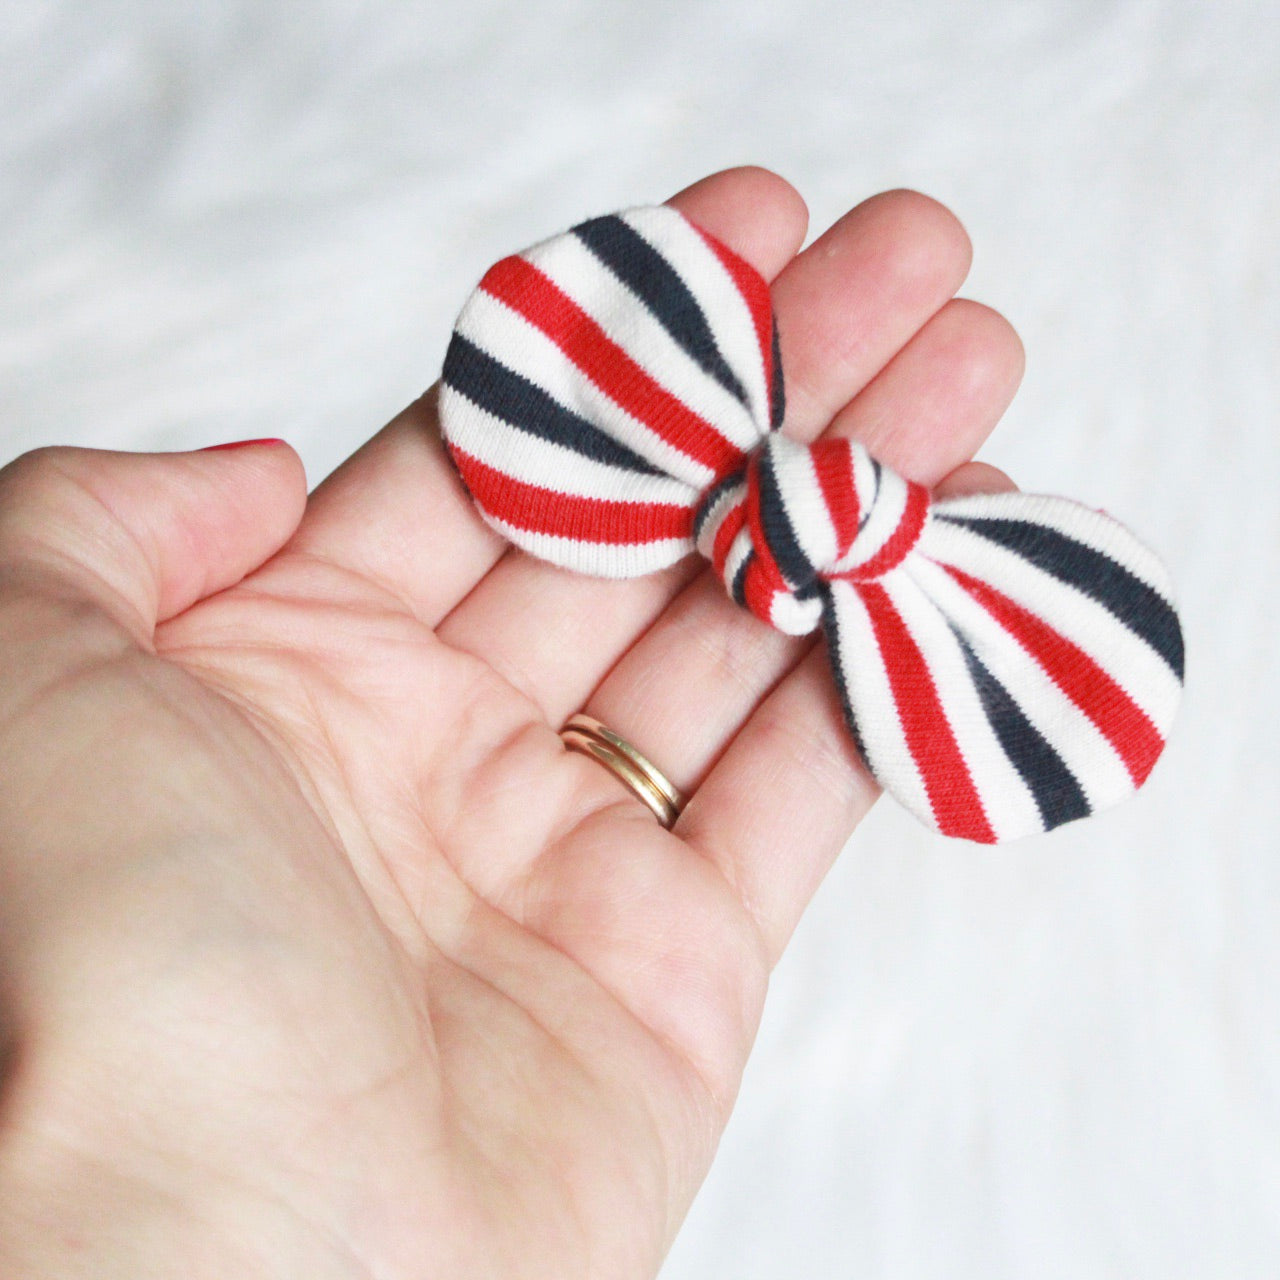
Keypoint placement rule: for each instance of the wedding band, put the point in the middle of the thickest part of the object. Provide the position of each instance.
(637, 773)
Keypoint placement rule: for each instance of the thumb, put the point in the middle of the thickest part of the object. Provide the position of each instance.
(144, 536)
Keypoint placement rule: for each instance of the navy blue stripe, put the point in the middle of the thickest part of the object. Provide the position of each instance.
(831, 630)
(513, 398)
(659, 286)
(1053, 786)
(1141, 608)
(778, 530)
(777, 395)
(740, 579)
(866, 508)
(707, 502)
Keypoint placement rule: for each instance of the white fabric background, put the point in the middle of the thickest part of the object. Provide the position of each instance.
(240, 219)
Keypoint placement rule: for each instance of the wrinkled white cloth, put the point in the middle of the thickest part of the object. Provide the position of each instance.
(1059, 1059)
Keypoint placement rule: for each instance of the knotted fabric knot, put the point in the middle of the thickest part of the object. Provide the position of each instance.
(612, 399)
(796, 516)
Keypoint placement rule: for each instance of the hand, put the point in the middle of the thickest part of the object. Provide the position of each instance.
(319, 955)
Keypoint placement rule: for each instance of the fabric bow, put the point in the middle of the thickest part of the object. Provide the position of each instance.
(612, 397)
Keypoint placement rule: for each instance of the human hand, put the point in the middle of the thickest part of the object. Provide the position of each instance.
(318, 954)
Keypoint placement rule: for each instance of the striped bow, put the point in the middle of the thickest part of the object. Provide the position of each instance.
(612, 397)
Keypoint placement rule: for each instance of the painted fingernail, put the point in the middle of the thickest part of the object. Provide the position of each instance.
(240, 444)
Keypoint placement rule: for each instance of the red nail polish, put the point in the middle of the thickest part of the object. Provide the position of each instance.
(240, 444)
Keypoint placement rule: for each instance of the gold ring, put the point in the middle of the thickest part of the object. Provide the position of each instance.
(639, 775)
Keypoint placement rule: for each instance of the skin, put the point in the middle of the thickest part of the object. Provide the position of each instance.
(318, 954)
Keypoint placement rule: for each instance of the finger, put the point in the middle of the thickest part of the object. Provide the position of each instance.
(396, 513)
(857, 294)
(872, 281)
(778, 806)
(146, 535)
(974, 477)
(781, 802)
(684, 689)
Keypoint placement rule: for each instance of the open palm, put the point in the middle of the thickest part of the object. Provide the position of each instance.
(442, 998)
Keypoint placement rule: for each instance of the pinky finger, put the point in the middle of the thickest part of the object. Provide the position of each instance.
(779, 805)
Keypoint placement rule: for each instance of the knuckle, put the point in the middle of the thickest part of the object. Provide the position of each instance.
(39, 478)
(54, 519)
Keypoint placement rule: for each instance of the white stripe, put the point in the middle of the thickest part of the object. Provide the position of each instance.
(719, 513)
(794, 617)
(862, 667)
(600, 559)
(739, 549)
(880, 524)
(1072, 519)
(1009, 805)
(803, 500)
(536, 461)
(1127, 658)
(1092, 760)
(867, 488)
(726, 311)
(629, 323)
(864, 480)
(522, 347)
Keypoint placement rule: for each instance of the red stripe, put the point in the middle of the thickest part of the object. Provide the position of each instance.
(755, 293)
(759, 588)
(734, 519)
(529, 291)
(833, 462)
(957, 807)
(1119, 719)
(538, 510)
(903, 538)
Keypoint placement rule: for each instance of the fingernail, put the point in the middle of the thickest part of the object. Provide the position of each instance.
(240, 444)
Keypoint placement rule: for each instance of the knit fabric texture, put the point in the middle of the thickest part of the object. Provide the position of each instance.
(612, 398)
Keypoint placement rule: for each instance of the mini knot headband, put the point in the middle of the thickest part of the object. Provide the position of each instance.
(612, 399)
